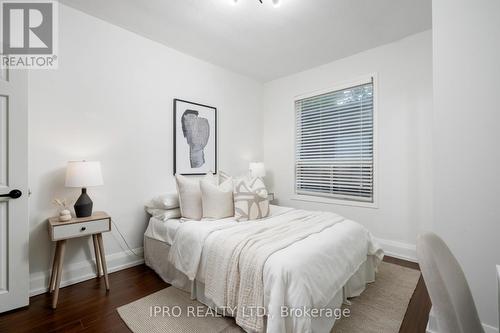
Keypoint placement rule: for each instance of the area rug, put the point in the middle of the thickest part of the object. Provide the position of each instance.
(381, 308)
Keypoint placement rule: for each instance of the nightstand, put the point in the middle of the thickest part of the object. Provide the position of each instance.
(59, 232)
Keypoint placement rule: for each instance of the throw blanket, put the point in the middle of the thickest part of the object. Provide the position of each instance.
(236, 258)
(187, 246)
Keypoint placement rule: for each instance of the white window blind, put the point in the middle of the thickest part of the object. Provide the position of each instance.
(334, 144)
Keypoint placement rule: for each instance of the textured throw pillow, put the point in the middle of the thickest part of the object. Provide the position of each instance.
(217, 200)
(250, 199)
(190, 196)
(223, 177)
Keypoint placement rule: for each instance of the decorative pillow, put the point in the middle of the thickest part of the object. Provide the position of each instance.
(217, 200)
(164, 214)
(223, 177)
(250, 199)
(165, 201)
(190, 196)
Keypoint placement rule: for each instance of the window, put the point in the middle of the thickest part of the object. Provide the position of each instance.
(334, 144)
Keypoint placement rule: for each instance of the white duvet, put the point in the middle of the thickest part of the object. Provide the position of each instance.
(305, 274)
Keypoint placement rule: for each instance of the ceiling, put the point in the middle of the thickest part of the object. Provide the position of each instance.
(259, 40)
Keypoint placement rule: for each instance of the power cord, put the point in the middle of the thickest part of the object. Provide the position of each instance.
(123, 238)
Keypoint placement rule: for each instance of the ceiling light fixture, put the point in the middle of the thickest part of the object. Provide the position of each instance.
(276, 3)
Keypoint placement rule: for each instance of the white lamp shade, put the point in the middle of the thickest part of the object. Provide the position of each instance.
(257, 169)
(83, 174)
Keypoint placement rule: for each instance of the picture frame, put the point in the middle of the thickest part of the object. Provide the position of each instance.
(195, 138)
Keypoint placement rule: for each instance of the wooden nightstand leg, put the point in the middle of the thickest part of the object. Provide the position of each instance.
(60, 259)
(103, 260)
(97, 255)
(53, 272)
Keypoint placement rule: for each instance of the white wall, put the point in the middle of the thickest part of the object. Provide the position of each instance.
(111, 100)
(404, 71)
(466, 38)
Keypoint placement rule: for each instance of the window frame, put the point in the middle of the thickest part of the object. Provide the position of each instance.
(341, 201)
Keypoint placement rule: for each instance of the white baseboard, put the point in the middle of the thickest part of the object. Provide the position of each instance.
(398, 250)
(490, 329)
(81, 271)
(85, 270)
(432, 326)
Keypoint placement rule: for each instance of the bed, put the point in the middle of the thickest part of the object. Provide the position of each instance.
(291, 261)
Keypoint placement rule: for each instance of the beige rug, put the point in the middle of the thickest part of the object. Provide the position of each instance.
(381, 308)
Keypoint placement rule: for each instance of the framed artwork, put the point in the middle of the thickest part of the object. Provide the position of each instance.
(195, 138)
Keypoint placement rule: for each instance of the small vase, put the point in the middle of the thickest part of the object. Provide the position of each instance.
(64, 215)
(64, 218)
(64, 212)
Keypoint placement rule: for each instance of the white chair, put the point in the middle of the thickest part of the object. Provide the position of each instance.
(452, 301)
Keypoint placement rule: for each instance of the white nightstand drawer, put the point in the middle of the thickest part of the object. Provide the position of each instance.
(73, 230)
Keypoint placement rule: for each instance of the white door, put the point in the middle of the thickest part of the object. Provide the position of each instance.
(14, 228)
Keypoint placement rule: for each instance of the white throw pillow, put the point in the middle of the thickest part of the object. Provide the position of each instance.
(250, 199)
(164, 214)
(165, 201)
(190, 196)
(217, 200)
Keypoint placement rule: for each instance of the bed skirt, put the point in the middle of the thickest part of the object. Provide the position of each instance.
(156, 254)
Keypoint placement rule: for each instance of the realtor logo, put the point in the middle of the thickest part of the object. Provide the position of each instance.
(27, 28)
(29, 34)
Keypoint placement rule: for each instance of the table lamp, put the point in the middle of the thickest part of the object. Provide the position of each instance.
(257, 170)
(83, 174)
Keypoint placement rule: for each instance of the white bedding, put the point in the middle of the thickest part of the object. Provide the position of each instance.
(307, 273)
(188, 245)
(164, 231)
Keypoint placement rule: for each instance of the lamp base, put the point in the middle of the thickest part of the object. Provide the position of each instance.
(83, 206)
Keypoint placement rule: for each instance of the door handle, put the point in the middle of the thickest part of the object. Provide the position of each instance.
(14, 194)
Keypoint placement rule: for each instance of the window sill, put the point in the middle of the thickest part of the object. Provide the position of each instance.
(333, 201)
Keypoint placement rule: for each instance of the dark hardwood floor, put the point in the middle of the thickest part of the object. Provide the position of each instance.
(417, 313)
(86, 307)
